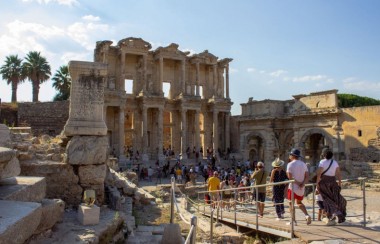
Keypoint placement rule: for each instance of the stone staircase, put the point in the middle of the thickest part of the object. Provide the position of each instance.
(146, 234)
(24, 211)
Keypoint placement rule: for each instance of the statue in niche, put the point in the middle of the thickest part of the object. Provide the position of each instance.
(89, 197)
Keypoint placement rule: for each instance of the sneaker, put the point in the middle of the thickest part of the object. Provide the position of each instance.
(325, 220)
(278, 219)
(308, 219)
(282, 216)
(331, 222)
(290, 223)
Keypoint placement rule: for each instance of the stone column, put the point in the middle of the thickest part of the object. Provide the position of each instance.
(184, 76)
(215, 132)
(197, 131)
(197, 83)
(145, 129)
(183, 134)
(160, 131)
(145, 82)
(161, 74)
(122, 76)
(228, 80)
(215, 69)
(121, 130)
(227, 132)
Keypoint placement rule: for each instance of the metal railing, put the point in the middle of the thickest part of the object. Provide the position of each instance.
(247, 189)
(240, 190)
(191, 237)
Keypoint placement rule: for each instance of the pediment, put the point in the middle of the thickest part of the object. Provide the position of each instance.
(135, 43)
(171, 51)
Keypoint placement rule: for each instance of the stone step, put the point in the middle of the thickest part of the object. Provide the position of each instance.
(9, 164)
(142, 239)
(154, 229)
(23, 188)
(18, 220)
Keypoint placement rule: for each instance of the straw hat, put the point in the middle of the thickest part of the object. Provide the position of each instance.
(277, 163)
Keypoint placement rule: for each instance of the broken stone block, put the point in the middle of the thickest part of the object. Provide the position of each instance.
(92, 174)
(10, 168)
(86, 150)
(52, 212)
(5, 135)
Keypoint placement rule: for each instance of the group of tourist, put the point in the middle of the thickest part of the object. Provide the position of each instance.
(331, 203)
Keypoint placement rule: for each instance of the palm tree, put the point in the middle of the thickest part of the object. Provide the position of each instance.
(37, 70)
(12, 71)
(62, 83)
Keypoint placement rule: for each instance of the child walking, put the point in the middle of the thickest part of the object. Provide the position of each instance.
(278, 174)
(319, 199)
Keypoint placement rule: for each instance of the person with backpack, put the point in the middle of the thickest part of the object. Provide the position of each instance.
(260, 177)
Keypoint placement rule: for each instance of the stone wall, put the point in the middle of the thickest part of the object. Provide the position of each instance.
(8, 114)
(44, 117)
(360, 126)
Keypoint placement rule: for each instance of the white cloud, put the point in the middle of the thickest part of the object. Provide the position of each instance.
(60, 2)
(278, 73)
(262, 71)
(308, 78)
(233, 70)
(82, 56)
(85, 33)
(251, 70)
(21, 29)
(91, 18)
(354, 84)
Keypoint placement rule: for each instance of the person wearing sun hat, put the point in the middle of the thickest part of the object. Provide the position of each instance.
(278, 174)
(297, 170)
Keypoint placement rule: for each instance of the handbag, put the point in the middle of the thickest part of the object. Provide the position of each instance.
(207, 198)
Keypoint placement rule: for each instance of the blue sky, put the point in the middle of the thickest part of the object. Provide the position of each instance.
(280, 48)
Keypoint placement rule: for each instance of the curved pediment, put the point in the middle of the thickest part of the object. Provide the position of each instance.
(171, 51)
(135, 43)
(205, 57)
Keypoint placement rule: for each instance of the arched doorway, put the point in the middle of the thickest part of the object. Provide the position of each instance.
(255, 147)
(312, 142)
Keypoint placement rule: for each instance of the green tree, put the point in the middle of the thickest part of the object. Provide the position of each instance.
(62, 83)
(37, 71)
(12, 72)
(351, 100)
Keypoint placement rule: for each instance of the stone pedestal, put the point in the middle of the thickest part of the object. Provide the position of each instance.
(86, 99)
(88, 215)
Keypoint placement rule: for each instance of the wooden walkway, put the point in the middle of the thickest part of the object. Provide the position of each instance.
(316, 231)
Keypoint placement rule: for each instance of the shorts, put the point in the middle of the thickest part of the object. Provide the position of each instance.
(261, 197)
(179, 177)
(320, 205)
(295, 196)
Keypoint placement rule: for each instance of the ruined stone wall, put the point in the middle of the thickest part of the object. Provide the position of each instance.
(8, 114)
(360, 127)
(44, 117)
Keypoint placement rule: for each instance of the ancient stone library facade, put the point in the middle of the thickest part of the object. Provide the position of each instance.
(270, 128)
(193, 113)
